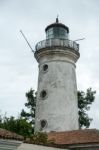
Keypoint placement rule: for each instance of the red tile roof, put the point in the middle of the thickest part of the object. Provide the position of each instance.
(86, 136)
(75, 137)
(5, 134)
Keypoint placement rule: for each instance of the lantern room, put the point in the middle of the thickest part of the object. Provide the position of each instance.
(57, 30)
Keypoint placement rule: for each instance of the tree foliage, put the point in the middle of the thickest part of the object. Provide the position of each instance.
(39, 138)
(84, 102)
(19, 125)
(31, 105)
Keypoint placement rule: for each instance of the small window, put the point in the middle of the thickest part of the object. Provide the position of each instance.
(43, 124)
(43, 94)
(45, 67)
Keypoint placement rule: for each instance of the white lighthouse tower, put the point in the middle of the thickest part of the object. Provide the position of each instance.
(57, 106)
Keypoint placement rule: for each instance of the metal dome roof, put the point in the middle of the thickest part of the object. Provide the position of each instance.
(57, 24)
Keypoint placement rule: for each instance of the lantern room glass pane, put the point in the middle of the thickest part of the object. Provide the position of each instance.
(57, 32)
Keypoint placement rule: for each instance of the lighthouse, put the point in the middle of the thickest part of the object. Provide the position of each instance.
(56, 105)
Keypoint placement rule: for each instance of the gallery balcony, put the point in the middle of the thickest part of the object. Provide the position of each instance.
(65, 43)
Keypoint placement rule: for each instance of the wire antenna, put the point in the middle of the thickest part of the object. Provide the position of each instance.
(27, 41)
(79, 39)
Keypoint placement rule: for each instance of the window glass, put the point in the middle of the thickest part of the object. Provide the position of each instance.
(57, 32)
(43, 124)
(43, 94)
(45, 67)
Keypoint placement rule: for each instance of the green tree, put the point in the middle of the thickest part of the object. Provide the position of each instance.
(19, 125)
(31, 105)
(84, 102)
(23, 127)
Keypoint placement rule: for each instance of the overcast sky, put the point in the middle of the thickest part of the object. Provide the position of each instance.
(18, 67)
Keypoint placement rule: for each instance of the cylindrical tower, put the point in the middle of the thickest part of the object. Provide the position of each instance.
(57, 106)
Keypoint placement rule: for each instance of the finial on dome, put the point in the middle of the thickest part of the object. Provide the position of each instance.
(57, 21)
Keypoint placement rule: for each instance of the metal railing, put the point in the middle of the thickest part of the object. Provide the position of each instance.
(58, 43)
